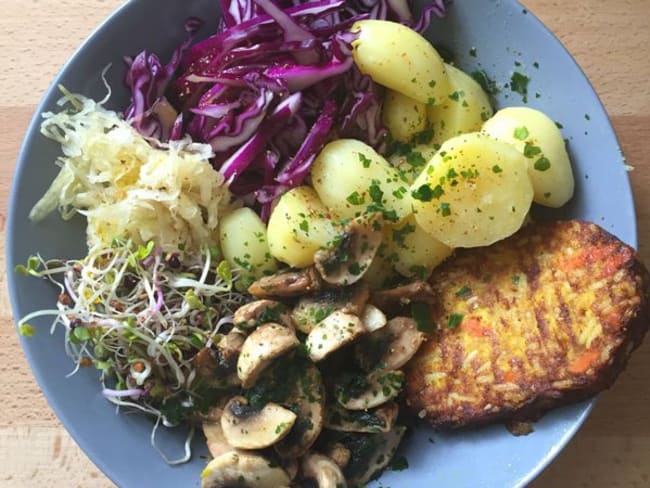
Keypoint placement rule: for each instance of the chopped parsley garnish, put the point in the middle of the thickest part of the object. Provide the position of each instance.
(469, 174)
(542, 164)
(355, 199)
(445, 209)
(488, 85)
(399, 463)
(400, 234)
(415, 158)
(354, 269)
(375, 192)
(531, 151)
(365, 161)
(464, 292)
(424, 193)
(420, 272)
(420, 313)
(304, 226)
(390, 215)
(457, 95)
(454, 320)
(519, 84)
(400, 192)
(521, 133)
(432, 83)
(425, 136)
(515, 279)
(27, 330)
(497, 169)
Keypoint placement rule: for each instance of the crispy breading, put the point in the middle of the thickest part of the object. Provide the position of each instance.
(544, 318)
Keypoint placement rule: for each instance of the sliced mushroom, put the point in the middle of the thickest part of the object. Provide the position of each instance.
(380, 419)
(417, 291)
(261, 347)
(218, 366)
(405, 340)
(215, 439)
(391, 347)
(292, 467)
(374, 452)
(373, 319)
(308, 400)
(287, 284)
(325, 471)
(380, 388)
(245, 427)
(243, 470)
(334, 332)
(259, 312)
(347, 261)
(338, 453)
(312, 309)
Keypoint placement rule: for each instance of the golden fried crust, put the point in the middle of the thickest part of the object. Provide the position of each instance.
(546, 317)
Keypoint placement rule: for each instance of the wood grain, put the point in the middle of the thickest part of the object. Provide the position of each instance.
(610, 40)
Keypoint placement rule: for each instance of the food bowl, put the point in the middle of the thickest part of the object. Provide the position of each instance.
(499, 37)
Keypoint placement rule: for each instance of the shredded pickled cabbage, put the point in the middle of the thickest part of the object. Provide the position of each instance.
(128, 186)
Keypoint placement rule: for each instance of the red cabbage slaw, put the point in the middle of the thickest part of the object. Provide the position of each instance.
(268, 89)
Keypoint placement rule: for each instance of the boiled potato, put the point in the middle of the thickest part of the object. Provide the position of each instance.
(403, 116)
(351, 179)
(410, 162)
(415, 253)
(474, 191)
(242, 236)
(381, 272)
(298, 227)
(539, 139)
(463, 110)
(399, 58)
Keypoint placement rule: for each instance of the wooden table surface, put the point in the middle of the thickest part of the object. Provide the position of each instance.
(611, 41)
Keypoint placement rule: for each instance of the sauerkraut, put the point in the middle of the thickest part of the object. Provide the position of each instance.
(130, 187)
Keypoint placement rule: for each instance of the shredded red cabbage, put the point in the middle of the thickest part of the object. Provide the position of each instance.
(268, 89)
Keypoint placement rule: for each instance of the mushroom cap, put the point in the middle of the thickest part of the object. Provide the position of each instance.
(404, 341)
(379, 419)
(390, 347)
(287, 284)
(324, 470)
(361, 470)
(215, 439)
(382, 386)
(308, 396)
(312, 309)
(332, 333)
(373, 319)
(244, 470)
(397, 298)
(258, 312)
(346, 262)
(211, 425)
(245, 427)
(338, 453)
(261, 347)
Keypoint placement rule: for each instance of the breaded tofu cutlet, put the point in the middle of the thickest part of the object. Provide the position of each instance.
(544, 318)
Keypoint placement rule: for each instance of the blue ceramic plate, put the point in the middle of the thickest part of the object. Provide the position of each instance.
(498, 36)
